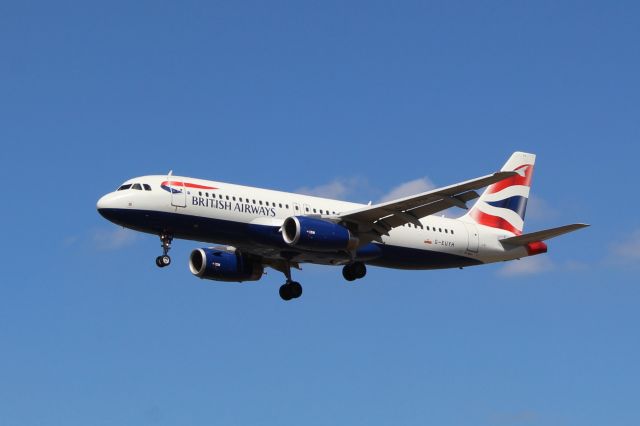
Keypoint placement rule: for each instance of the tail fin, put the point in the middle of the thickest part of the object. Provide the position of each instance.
(503, 204)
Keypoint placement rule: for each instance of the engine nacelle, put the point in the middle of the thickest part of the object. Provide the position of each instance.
(221, 265)
(313, 234)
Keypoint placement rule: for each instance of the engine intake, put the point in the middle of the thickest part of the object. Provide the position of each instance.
(313, 234)
(221, 265)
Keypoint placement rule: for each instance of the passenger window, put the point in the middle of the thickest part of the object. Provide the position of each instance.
(280, 205)
(314, 210)
(147, 187)
(227, 197)
(287, 206)
(439, 229)
(137, 186)
(260, 202)
(452, 232)
(240, 199)
(123, 187)
(297, 208)
(200, 193)
(233, 198)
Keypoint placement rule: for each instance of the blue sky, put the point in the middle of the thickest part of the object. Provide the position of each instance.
(352, 99)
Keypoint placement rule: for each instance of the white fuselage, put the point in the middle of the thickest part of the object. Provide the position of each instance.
(250, 218)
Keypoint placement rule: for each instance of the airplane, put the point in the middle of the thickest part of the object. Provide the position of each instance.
(258, 228)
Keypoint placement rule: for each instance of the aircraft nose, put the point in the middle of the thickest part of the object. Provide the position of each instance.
(106, 205)
(103, 203)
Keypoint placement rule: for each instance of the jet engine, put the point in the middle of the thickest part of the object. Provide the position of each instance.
(314, 234)
(223, 265)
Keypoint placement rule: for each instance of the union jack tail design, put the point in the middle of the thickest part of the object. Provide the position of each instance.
(503, 204)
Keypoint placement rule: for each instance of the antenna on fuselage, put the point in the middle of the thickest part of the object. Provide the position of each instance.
(170, 173)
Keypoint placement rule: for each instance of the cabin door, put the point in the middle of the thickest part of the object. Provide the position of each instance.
(178, 193)
(472, 232)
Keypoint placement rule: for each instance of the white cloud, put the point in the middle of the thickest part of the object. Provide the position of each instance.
(412, 187)
(627, 251)
(538, 209)
(113, 239)
(337, 189)
(526, 266)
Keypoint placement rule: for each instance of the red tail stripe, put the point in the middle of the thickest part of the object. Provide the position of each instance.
(513, 180)
(493, 221)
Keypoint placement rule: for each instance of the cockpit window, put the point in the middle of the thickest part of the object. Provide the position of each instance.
(136, 186)
(123, 187)
(147, 187)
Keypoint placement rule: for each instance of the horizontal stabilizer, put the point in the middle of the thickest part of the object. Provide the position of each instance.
(531, 237)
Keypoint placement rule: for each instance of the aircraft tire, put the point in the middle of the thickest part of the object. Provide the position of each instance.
(359, 270)
(347, 273)
(285, 292)
(296, 289)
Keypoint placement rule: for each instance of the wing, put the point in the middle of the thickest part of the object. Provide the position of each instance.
(546, 234)
(379, 219)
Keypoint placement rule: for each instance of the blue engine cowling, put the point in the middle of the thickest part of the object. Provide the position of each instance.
(222, 265)
(313, 234)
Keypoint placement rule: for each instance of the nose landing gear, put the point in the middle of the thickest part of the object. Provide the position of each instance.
(164, 260)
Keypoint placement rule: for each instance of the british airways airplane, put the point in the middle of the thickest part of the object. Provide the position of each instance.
(261, 228)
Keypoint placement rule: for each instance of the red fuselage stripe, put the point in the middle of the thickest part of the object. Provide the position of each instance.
(187, 184)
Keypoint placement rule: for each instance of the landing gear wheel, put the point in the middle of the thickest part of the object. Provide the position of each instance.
(359, 270)
(347, 273)
(285, 292)
(354, 271)
(290, 290)
(163, 261)
(296, 289)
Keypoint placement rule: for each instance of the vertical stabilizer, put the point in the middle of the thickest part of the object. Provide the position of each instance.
(503, 204)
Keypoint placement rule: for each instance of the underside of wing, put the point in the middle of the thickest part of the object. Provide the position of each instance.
(379, 219)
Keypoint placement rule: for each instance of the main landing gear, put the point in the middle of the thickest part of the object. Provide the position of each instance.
(354, 271)
(164, 260)
(291, 289)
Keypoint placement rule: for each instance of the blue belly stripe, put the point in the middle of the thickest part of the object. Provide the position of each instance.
(239, 234)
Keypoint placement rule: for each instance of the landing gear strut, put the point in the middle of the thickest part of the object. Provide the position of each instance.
(164, 260)
(291, 289)
(354, 271)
